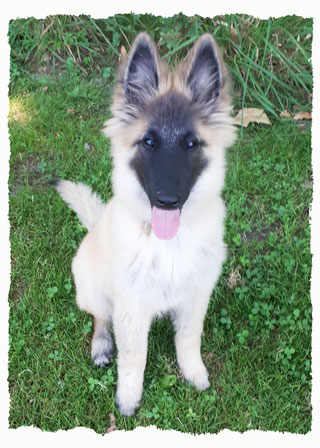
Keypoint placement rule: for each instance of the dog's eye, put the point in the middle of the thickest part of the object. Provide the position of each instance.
(148, 143)
(192, 144)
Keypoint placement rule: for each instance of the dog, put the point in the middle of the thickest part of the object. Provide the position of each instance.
(157, 246)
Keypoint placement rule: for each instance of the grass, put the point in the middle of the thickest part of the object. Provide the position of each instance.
(269, 59)
(257, 336)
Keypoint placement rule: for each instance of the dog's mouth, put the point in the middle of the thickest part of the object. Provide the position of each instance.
(165, 223)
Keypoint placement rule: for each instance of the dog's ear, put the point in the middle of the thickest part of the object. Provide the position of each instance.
(203, 74)
(140, 75)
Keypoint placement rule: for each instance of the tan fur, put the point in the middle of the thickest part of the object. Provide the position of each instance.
(125, 130)
(185, 66)
(120, 118)
(124, 274)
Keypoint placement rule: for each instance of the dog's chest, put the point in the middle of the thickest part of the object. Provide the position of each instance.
(163, 273)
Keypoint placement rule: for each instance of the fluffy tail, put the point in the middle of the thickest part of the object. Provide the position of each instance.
(87, 204)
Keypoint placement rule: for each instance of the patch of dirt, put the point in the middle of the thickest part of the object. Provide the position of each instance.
(29, 168)
(261, 235)
(214, 367)
(303, 125)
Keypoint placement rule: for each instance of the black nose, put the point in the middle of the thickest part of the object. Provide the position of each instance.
(167, 201)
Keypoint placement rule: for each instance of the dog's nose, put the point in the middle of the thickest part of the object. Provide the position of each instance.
(167, 201)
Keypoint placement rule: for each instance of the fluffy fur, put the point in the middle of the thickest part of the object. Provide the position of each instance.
(124, 274)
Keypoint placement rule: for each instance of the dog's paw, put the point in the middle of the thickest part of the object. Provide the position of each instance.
(102, 351)
(197, 376)
(125, 407)
(102, 359)
(129, 391)
(201, 383)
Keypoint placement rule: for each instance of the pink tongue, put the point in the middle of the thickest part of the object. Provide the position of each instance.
(165, 223)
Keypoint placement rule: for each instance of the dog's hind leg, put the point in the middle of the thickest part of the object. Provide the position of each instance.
(96, 304)
(91, 296)
(102, 344)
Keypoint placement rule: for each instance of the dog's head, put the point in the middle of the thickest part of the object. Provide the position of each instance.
(166, 121)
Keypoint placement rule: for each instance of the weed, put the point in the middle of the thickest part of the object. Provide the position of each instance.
(87, 327)
(48, 325)
(56, 355)
(225, 319)
(153, 414)
(242, 336)
(52, 291)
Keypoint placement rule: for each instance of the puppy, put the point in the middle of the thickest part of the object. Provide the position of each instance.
(157, 246)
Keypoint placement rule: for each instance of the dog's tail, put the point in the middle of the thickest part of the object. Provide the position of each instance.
(87, 204)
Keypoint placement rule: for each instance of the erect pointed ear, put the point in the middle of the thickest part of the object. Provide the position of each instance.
(204, 74)
(140, 75)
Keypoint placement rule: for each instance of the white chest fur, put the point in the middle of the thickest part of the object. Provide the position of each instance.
(160, 274)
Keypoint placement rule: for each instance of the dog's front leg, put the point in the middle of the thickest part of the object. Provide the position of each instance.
(188, 322)
(131, 333)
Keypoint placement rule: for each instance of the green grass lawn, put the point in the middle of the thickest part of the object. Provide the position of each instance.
(257, 335)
